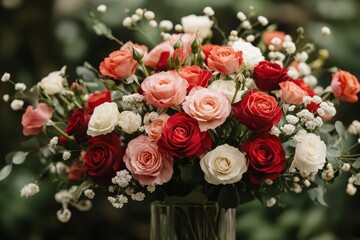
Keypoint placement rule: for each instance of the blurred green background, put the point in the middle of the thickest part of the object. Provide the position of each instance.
(40, 36)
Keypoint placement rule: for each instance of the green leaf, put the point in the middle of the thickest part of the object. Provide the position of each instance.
(326, 128)
(228, 197)
(340, 129)
(19, 157)
(5, 171)
(317, 193)
(356, 164)
(79, 190)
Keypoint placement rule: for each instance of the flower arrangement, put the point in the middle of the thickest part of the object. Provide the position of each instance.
(191, 120)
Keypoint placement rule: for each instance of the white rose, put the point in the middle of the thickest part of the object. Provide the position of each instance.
(104, 119)
(53, 83)
(129, 121)
(223, 165)
(310, 154)
(227, 87)
(251, 54)
(194, 24)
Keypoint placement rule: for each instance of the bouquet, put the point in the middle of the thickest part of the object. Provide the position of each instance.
(191, 115)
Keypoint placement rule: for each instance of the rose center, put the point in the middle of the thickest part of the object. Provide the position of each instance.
(222, 165)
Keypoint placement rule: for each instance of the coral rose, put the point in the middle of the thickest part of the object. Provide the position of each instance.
(195, 76)
(146, 163)
(118, 65)
(34, 119)
(164, 89)
(210, 107)
(292, 93)
(270, 35)
(258, 111)
(345, 86)
(224, 59)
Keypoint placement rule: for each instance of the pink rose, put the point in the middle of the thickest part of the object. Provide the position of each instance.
(209, 107)
(118, 65)
(146, 163)
(158, 56)
(345, 86)
(224, 59)
(34, 119)
(156, 127)
(164, 89)
(186, 40)
(292, 93)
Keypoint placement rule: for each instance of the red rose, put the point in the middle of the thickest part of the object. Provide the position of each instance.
(103, 158)
(265, 155)
(195, 76)
(97, 99)
(76, 171)
(78, 125)
(181, 137)
(258, 111)
(267, 76)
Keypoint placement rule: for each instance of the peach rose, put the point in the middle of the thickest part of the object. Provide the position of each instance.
(164, 89)
(292, 93)
(146, 163)
(224, 59)
(209, 107)
(269, 35)
(345, 86)
(155, 128)
(195, 76)
(118, 65)
(34, 119)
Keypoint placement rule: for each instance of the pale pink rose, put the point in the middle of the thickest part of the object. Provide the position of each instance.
(164, 89)
(292, 93)
(186, 40)
(146, 163)
(34, 119)
(158, 56)
(209, 107)
(224, 59)
(155, 128)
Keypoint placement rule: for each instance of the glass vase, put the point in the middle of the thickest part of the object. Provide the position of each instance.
(192, 221)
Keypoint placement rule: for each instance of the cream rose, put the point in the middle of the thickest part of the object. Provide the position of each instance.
(104, 119)
(228, 88)
(223, 165)
(210, 107)
(129, 121)
(53, 83)
(251, 54)
(310, 154)
(194, 24)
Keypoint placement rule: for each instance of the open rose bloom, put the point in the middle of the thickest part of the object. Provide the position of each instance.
(190, 118)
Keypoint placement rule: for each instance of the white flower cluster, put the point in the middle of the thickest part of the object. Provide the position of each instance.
(150, 117)
(66, 198)
(118, 201)
(135, 100)
(29, 190)
(353, 180)
(137, 16)
(122, 178)
(308, 119)
(139, 196)
(329, 172)
(354, 128)
(57, 167)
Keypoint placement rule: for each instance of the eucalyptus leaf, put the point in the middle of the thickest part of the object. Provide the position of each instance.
(340, 129)
(80, 189)
(5, 171)
(86, 74)
(326, 128)
(317, 193)
(19, 157)
(356, 164)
